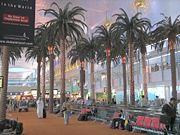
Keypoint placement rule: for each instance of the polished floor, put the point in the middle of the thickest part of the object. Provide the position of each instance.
(53, 125)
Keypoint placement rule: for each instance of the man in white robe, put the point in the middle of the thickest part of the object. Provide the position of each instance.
(40, 106)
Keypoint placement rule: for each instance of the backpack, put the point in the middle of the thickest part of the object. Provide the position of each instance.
(129, 126)
(13, 124)
(19, 128)
(82, 117)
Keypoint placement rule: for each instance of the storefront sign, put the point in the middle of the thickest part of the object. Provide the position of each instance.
(17, 18)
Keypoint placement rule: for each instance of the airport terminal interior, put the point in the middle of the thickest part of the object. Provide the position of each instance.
(94, 88)
(23, 75)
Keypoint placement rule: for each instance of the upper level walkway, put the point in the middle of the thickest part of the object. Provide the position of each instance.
(54, 125)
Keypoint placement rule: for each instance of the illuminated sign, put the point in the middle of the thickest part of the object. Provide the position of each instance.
(17, 22)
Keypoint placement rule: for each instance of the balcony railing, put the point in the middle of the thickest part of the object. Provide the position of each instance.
(18, 82)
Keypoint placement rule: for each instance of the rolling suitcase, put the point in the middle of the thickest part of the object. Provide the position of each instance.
(44, 113)
(82, 117)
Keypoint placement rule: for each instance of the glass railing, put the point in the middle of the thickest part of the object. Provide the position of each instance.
(18, 82)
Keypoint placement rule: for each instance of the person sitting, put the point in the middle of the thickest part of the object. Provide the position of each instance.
(122, 120)
(118, 119)
(115, 120)
(94, 110)
(85, 112)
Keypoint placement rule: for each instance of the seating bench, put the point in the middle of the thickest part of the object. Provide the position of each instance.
(115, 115)
(106, 117)
(149, 124)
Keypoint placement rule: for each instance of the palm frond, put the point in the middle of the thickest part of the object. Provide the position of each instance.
(15, 54)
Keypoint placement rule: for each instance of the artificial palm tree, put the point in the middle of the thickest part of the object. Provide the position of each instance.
(9, 54)
(79, 52)
(46, 36)
(38, 52)
(91, 53)
(131, 27)
(5, 69)
(52, 50)
(43, 38)
(120, 49)
(43, 32)
(140, 44)
(51, 89)
(104, 39)
(35, 53)
(69, 26)
(166, 28)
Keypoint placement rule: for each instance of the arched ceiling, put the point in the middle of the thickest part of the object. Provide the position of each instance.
(98, 10)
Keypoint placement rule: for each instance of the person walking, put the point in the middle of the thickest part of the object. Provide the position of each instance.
(169, 110)
(66, 109)
(40, 106)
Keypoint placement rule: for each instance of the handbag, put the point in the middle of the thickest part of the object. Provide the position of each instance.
(64, 109)
(165, 119)
(129, 126)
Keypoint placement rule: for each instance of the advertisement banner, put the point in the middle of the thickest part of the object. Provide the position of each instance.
(17, 22)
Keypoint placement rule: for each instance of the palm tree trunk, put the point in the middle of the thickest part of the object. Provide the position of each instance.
(5, 69)
(124, 80)
(43, 79)
(92, 82)
(38, 77)
(108, 65)
(63, 66)
(171, 43)
(144, 76)
(82, 80)
(131, 57)
(51, 95)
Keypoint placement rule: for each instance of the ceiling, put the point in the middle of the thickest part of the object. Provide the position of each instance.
(100, 10)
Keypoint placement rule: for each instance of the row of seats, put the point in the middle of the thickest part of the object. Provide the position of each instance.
(85, 111)
(115, 115)
(149, 124)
